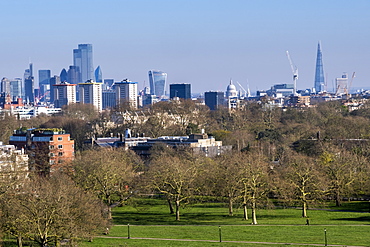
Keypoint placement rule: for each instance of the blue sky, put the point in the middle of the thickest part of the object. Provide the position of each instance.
(202, 42)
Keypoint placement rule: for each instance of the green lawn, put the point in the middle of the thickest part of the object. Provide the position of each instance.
(150, 218)
(348, 235)
(155, 212)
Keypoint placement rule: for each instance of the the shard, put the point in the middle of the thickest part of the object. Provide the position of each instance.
(319, 75)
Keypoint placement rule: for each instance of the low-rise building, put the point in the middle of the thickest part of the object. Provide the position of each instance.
(48, 148)
(198, 143)
(28, 112)
(13, 163)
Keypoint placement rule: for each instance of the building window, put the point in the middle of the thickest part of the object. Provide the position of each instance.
(51, 147)
(52, 162)
(60, 154)
(60, 138)
(60, 146)
(51, 154)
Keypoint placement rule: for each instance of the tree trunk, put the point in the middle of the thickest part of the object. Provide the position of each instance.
(245, 210)
(170, 206)
(304, 209)
(57, 242)
(230, 206)
(254, 209)
(44, 243)
(19, 241)
(178, 210)
(254, 216)
(109, 212)
(338, 201)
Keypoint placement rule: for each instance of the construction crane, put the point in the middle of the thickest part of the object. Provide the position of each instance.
(294, 71)
(350, 84)
(245, 91)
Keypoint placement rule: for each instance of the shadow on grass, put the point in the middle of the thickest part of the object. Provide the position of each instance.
(189, 218)
(358, 219)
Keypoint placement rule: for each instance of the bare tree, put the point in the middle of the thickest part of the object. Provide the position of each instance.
(174, 174)
(47, 210)
(300, 178)
(227, 177)
(255, 181)
(107, 172)
(342, 169)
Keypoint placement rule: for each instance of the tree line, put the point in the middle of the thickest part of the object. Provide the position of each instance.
(285, 157)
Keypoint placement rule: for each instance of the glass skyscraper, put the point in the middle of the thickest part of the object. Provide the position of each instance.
(157, 80)
(214, 99)
(181, 90)
(319, 75)
(29, 87)
(16, 88)
(44, 84)
(63, 75)
(83, 60)
(98, 75)
(5, 85)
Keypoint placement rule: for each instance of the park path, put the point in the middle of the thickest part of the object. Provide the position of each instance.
(224, 241)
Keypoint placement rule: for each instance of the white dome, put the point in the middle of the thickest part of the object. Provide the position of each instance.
(231, 91)
(231, 87)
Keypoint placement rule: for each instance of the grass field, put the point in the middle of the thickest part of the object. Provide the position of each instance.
(202, 223)
(149, 218)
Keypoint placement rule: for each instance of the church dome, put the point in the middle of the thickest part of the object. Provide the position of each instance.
(231, 90)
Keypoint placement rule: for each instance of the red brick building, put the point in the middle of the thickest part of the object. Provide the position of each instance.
(48, 148)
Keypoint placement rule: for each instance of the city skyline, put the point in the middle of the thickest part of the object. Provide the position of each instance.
(204, 43)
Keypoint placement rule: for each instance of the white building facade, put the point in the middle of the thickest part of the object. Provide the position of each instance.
(126, 92)
(64, 94)
(91, 93)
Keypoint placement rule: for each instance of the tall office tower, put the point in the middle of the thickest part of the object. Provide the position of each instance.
(319, 75)
(44, 76)
(44, 84)
(126, 93)
(27, 73)
(64, 94)
(16, 88)
(73, 75)
(341, 84)
(98, 75)
(83, 59)
(181, 90)
(63, 75)
(157, 80)
(53, 81)
(31, 69)
(91, 93)
(29, 89)
(5, 86)
(214, 99)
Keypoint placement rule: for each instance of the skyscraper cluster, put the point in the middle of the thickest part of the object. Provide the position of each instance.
(81, 83)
